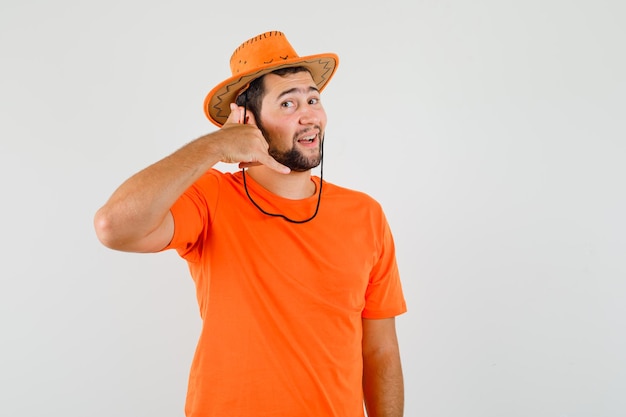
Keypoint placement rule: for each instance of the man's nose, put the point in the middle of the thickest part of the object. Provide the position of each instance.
(309, 115)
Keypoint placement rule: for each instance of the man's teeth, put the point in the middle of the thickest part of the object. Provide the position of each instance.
(307, 139)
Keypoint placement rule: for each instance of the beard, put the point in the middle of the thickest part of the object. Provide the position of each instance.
(294, 158)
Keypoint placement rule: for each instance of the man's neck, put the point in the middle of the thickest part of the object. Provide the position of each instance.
(294, 186)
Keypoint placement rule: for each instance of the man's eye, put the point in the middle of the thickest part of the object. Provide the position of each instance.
(287, 104)
(314, 101)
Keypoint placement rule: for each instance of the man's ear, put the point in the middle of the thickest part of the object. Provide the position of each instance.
(250, 120)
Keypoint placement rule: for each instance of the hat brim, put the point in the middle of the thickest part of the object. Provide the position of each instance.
(217, 102)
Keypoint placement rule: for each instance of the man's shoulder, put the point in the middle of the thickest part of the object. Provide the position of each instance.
(342, 192)
(222, 177)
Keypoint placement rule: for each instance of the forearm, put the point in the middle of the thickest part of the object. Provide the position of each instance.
(383, 384)
(139, 206)
(136, 218)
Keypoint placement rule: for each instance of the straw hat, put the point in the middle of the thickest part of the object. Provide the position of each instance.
(258, 56)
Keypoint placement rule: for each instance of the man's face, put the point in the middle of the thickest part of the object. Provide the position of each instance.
(293, 120)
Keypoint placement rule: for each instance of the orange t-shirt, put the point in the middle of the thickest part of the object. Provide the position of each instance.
(282, 303)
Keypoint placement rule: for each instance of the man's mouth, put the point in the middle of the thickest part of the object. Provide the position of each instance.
(307, 139)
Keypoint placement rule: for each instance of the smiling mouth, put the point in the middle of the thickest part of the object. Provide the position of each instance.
(307, 139)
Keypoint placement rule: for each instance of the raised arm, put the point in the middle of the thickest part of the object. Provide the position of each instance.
(137, 217)
(383, 384)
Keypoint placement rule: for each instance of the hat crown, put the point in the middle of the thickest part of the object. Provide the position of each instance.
(262, 50)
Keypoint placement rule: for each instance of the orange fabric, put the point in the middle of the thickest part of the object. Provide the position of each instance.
(282, 303)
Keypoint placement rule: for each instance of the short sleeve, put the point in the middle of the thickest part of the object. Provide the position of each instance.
(192, 217)
(384, 297)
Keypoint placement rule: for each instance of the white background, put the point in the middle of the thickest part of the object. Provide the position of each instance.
(492, 132)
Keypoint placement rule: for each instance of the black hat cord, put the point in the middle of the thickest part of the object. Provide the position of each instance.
(319, 195)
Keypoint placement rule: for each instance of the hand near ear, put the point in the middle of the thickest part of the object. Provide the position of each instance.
(244, 143)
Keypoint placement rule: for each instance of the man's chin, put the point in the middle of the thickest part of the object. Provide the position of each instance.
(296, 161)
(303, 168)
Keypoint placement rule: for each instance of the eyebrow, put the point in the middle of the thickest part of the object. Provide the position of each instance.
(297, 90)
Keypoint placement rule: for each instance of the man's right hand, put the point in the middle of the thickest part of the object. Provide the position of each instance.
(243, 142)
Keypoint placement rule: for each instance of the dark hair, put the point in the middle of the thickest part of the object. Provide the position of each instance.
(252, 97)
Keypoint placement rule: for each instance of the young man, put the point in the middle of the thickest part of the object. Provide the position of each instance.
(296, 278)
